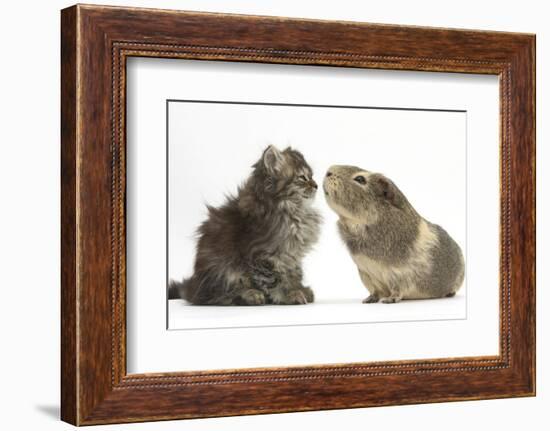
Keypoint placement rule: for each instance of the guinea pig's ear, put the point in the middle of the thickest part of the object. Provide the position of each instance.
(273, 160)
(385, 189)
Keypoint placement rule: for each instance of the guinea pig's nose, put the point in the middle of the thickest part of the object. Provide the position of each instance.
(329, 174)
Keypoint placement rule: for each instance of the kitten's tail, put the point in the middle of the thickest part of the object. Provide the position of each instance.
(177, 289)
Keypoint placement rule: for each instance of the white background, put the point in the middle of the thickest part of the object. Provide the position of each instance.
(29, 228)
(428, 147)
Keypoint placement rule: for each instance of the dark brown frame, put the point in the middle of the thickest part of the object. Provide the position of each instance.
(95, 43)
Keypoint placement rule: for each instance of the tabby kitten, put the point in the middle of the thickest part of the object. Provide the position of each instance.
(250, 250)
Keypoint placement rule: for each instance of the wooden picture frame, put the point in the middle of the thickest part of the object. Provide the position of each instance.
(95, 43)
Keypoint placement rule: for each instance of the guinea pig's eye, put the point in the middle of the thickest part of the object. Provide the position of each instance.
(360, 179)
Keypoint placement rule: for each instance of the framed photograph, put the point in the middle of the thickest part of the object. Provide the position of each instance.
(265, 214)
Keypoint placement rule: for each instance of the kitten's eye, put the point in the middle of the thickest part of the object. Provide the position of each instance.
(360, 179)
(303, 177)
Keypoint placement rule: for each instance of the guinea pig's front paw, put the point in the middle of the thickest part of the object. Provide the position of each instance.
(390, 299)
(372, 299)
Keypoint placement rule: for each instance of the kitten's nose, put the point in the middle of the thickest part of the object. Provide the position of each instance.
(313, 184)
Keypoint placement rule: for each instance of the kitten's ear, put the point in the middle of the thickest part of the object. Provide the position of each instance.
(273, 160)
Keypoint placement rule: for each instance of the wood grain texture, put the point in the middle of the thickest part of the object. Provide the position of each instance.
(96, 41)
(68, 218)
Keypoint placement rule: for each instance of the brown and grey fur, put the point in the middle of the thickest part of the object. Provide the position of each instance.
(398, 253)
(250, 250)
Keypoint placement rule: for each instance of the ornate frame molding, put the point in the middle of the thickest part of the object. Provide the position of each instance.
(96, 41)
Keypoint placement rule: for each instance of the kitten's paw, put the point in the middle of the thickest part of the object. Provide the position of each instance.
(371, 299)
(252, 297)
(308, 293)
(296, 297)
(390, 299)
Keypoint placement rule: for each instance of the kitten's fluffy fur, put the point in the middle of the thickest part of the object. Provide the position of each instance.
(250, 250)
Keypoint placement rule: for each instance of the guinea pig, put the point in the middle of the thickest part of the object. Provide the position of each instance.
(399, 254)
